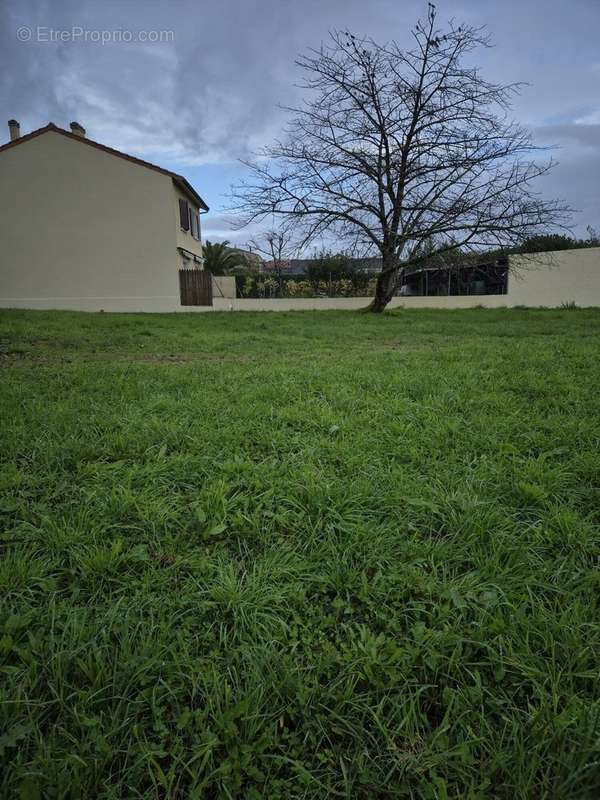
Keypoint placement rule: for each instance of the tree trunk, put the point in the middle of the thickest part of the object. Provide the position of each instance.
(385, 287)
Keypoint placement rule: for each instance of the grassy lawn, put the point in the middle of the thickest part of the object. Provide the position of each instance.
(306, 555)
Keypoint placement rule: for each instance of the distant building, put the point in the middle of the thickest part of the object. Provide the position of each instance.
(476, 275)
(479, 276)
(300, 266)
(248, 258)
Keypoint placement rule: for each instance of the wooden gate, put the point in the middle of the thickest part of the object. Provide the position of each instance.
(195, 287)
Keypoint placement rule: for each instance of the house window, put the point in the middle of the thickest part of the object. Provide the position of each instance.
(184, 215)
(189, 219)
(194, 224)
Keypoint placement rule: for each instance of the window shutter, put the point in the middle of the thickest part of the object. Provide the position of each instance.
(184, 215)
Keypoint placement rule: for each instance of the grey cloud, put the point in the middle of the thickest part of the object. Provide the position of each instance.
(211, 95)
(587, 136)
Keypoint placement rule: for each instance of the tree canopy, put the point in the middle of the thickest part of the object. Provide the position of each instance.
(394, 148)
(221, 259)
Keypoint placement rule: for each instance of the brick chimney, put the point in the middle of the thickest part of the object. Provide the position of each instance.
(78, 129)
(14, 128)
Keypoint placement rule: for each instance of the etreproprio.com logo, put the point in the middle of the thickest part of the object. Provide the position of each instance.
(77, 33)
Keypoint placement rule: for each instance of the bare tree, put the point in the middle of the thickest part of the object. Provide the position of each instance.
(277, 246)
(394, 149)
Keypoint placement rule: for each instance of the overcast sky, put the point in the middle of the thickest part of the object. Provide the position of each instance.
(208, 95)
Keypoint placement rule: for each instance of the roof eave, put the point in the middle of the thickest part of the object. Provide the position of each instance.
(182, 182)
(189, 190)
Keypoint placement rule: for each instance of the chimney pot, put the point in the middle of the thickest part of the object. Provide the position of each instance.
(77, 129)
(14, 128)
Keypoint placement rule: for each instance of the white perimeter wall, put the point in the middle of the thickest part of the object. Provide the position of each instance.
(549, 279)
(354, 303)
(545, 279)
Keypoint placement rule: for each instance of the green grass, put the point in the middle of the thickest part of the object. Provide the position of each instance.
(307, 555)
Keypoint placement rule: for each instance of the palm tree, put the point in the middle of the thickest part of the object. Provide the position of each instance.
(221, 259)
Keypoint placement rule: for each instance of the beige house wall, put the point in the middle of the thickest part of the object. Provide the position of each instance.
(83, 229)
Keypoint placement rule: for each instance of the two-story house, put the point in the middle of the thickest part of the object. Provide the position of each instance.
(84, 226)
